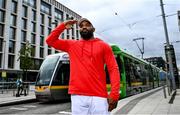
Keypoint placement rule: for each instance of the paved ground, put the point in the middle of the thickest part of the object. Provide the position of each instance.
(148, 103)
(8, 97)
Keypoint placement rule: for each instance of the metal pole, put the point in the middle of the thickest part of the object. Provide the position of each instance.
(142, 47)
(141, 50)
(164, 90)
(168, 46)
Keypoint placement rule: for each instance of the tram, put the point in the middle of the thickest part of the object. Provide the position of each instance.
(137, 76)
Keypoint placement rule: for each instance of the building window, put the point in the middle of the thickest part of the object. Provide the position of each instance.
(49, 51)
(11, 61)
(49, 30)
(33, 50)
(49, 21)
(23, 45)
(56, 51)
(67, 17)
(0, 60)
(41, 52)
(72, 31)
(37, 63)
(62, 35)
(77, 34)
(67, 31)
(24, 24)
(41, 41)
(1, 44)
(67, 36)
(2, 16)
(24, 11)
(33, 15)
(42, 30)
(1, 29)
(13, 20)
(2, 4)
(31, 3)
(23, 36)
(46, 8)
(33, 38)
(33, 25)
(42, 18)
(58, 14)
(14, 7)
(56, 23)
(12, 33)
(11, 46)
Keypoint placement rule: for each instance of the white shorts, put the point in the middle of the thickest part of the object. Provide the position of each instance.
(89, 105)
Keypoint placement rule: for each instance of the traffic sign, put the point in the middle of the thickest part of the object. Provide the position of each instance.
(4, 74)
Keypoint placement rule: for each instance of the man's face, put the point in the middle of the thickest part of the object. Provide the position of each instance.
(86, 30)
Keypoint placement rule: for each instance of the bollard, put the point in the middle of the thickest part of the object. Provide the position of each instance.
(164, 90)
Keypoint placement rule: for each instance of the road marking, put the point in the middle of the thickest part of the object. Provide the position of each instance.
(20, 108)
(65, 112)
(30, 106)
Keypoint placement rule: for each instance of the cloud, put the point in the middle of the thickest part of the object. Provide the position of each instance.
(120, 21)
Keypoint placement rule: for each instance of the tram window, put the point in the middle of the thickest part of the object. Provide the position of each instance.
(119, 62)
(128, 70)
(62, 75)
(46, 70)
(107, 76)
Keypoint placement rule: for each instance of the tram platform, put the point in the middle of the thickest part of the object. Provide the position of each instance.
(152, 102)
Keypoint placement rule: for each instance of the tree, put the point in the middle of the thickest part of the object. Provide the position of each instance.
(25, 59)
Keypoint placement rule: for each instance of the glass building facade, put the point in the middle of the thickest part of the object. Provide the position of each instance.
(30, 20)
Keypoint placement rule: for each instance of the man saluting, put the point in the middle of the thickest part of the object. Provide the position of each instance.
(88, 56)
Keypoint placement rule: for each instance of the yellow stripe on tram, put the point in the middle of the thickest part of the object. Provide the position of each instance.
(109, 85)
(136, 83)
(42, 88)
(59, 87)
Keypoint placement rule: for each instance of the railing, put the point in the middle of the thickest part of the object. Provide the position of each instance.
(6, 87)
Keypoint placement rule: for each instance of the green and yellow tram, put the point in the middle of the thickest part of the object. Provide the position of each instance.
(137, 76)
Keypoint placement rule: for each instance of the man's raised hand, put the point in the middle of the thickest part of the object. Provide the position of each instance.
(69, 23)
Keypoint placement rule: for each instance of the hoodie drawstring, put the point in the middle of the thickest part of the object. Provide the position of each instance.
(91, 51)
(82, 49)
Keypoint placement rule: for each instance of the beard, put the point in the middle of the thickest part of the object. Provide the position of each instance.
(86, 35)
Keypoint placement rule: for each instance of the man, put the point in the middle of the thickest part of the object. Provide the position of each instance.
(19, 87)
(88, 56)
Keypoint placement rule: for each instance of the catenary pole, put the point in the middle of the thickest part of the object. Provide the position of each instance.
(168, 46)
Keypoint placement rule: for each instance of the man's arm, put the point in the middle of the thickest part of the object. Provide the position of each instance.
(52, 39)
(114, 77)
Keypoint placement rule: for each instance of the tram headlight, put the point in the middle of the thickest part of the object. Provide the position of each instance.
(45, 87)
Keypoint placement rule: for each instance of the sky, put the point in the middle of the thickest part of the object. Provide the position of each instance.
(121, 21)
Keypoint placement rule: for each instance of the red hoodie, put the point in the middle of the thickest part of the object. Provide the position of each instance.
(87, 60)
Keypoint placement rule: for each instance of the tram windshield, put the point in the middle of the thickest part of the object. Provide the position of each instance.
(62, 74)
(46, 70)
